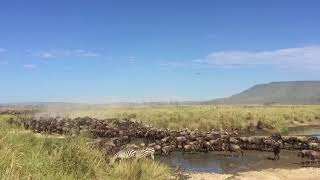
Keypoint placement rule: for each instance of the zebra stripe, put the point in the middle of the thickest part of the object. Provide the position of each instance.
(132, 153)
(147, 152)
(124, 154)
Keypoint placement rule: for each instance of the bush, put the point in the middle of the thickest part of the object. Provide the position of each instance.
(143, 169)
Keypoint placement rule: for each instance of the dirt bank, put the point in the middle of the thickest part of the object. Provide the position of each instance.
(268, 174)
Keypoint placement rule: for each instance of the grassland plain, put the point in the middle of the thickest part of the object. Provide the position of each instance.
(205, 117)
(24, 155)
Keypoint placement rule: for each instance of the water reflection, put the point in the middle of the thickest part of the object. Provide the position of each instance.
(222, 162)
(209, 162)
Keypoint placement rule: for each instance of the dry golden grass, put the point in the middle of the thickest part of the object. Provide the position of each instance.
(24, 155)
(206, 117)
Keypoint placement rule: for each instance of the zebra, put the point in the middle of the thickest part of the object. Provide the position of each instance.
(145, 152)
(123, 154)
(132, 153)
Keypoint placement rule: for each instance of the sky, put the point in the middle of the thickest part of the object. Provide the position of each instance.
(102, 51)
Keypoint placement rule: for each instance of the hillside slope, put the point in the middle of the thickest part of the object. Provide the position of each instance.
(292, 92)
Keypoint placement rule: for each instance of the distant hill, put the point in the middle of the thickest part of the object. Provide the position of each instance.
(292, 92)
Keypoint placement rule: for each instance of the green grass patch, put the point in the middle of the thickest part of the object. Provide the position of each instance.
(24, 155)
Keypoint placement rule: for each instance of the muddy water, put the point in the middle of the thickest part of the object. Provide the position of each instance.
(223, 162)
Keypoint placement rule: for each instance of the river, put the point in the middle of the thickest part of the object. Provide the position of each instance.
(223, 162)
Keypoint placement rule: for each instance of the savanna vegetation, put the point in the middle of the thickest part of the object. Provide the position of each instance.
(206, 117)
(24, 155)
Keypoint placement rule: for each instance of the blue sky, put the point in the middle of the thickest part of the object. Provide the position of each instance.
(111, 51)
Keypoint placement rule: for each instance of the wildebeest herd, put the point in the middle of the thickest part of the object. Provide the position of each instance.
(114, 135)
(17, 112)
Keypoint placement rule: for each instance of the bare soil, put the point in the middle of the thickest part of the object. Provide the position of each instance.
(267, 174)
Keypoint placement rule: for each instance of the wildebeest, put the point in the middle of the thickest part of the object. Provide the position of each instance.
(256, 141)
(304, 153)
(166, 150)
(232, 148)
(315, 156)
(164, 141)
(276, 145)
(314, 146)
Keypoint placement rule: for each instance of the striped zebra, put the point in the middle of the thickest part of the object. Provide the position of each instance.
(146, 152)
(132, 153)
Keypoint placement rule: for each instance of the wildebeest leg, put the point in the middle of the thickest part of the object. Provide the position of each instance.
(292, 145)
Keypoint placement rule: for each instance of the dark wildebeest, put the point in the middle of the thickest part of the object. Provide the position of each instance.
(166, 150)
(276, 145)
(315, 156)
(232, 148)
(311, 154)
(305, 154)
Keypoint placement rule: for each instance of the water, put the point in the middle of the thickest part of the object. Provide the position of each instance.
(222, 162)
(218, 162)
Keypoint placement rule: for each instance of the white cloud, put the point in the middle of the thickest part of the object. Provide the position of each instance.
(30, 66)
(303, 58)
(53, 53)
(3, 50)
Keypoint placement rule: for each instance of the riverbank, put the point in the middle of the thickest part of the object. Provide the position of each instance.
(267, 174)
